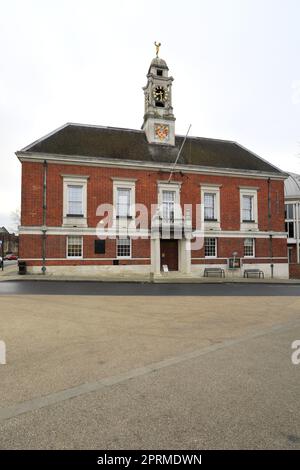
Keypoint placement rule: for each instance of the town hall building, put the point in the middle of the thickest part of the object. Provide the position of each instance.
(102, 200)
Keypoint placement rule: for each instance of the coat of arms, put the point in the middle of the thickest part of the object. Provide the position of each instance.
(161, 132)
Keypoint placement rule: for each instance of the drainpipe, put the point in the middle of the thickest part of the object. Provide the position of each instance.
(269, 226)
(297, 230)
(44, 230)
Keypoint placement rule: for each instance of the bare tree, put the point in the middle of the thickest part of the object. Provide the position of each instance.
(15, 217)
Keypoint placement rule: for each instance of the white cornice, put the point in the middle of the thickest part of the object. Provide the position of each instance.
(142, 165)
(36, 230)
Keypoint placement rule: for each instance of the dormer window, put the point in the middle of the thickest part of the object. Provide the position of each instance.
(159, 72)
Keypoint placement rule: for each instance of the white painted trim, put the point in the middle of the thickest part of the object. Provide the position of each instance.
(82, 231)
(123, 183)
(247, 226)
(120, 179)
(243, 257)
(173, 187)
(251, 188)
(212, 189)
(82, 259)
(253, 246)
(238, 234)
(74, 257)
(216, 249)
(74, 177)
(130, 244)
(168, 183)
(81, 160)
(36, 230)
(74, 181)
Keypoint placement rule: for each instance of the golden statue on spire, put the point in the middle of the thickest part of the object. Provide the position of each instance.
(157, 45)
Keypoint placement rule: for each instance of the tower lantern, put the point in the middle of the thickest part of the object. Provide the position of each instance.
(159, 120)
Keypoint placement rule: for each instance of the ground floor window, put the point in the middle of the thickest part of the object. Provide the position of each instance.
(210, 247)
(290, 229)
(249, 247)
(123, 248)
(74, 247)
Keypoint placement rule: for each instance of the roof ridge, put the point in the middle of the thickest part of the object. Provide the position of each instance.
(97, 126)
(128, 129)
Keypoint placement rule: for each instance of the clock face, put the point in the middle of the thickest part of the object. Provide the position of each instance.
(161, 132)
(160, 94)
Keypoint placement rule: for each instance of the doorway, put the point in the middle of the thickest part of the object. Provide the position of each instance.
(169, 254)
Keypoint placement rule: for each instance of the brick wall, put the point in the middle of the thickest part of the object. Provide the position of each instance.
(294, 270)
(227, 246)
(56, 247)
(100, 190)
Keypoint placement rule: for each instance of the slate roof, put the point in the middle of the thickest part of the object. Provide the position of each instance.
(130, 144)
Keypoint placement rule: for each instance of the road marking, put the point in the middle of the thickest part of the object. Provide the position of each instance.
(73, 392)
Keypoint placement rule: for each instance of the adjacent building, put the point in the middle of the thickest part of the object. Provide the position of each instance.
(292, 219)
(9, 242)
(102, 199)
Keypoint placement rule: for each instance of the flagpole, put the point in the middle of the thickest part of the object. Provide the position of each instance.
(172, 170)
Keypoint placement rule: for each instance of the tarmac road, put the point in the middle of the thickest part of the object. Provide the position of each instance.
(173, 373)
(148, 289)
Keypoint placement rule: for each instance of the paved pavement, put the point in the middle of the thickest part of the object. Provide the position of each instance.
(134, 372)
(147, 289)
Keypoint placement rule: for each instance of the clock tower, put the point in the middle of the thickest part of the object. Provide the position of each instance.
(159, 120)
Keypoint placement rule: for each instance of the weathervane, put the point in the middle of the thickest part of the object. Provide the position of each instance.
(157, 45)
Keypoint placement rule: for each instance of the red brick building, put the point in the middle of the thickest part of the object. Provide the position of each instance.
(185, 204)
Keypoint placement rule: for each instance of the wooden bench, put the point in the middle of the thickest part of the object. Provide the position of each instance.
(218, 271)
(255, 272)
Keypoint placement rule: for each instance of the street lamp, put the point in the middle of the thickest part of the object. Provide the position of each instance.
(2, 252)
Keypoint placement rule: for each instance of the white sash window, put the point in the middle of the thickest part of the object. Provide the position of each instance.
(75, 200)
(123, 202)
(168, 205)
(209, 206)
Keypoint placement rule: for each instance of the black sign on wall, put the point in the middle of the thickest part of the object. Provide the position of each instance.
(99, 247)
(234, 263)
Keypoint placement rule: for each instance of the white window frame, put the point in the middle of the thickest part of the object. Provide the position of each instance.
(253, 247)
(287, 218)
(293, 220)
(74, 180)
(128, 203)
(67, 247)
(167, 205)
(69, 211)
(216, 248)
(212, 197)
(212, 189)
(130, 245)
(119, 183)
(172, 186)
(247, 225)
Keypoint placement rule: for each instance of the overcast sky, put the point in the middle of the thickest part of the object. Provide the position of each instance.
(235, 63)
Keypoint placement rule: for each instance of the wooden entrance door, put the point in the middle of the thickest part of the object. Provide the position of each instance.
(169, 254)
